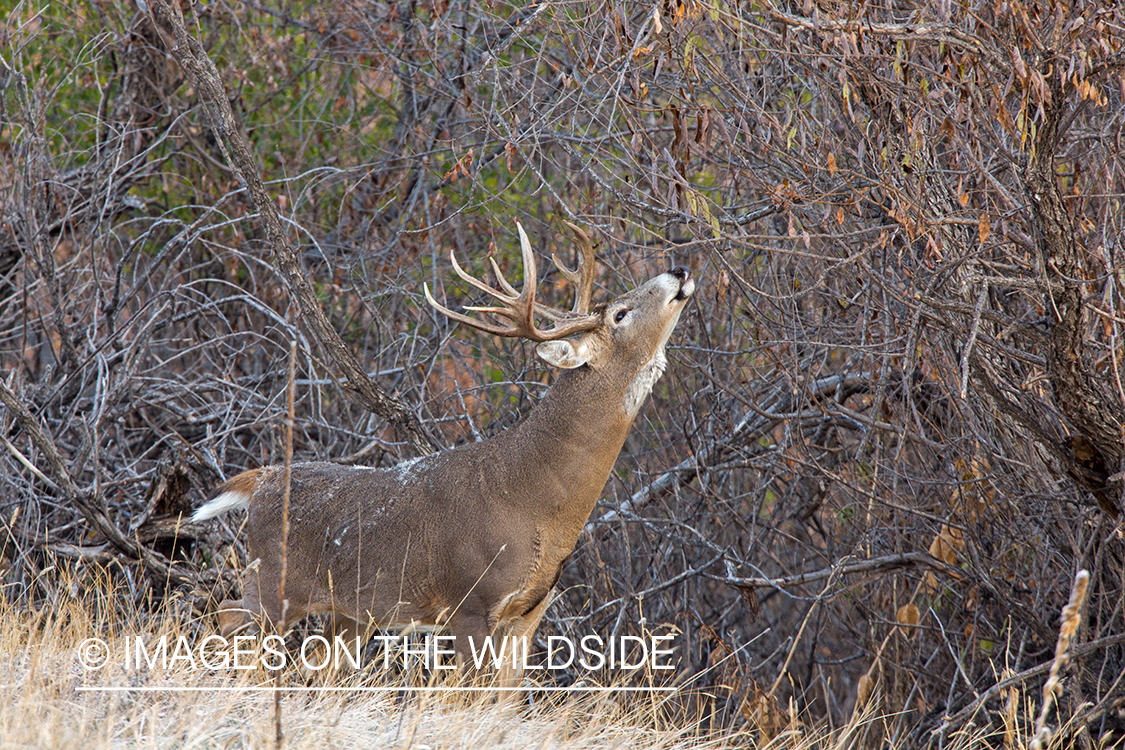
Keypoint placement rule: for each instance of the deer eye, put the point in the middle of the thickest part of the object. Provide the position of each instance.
(620, 316)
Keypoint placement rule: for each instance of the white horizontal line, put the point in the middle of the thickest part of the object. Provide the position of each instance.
(405, 689)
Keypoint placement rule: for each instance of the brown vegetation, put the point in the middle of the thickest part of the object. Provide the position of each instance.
(893, 425)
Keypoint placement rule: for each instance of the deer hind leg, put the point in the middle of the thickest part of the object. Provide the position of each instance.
(238, 616)
(347, 629)
(256, 612)
(234, 618)
(245, 615)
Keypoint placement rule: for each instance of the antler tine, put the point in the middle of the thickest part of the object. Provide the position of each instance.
(481, 286)
(508, 288)
(583, 276)
(471, 322)
(547, 312)
(565, 323)
(526, 301)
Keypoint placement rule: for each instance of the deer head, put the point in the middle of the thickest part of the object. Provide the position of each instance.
(633, 328)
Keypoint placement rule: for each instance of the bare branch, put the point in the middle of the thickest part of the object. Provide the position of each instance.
(189, 52)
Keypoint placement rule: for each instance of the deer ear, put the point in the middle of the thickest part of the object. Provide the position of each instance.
(564, 353)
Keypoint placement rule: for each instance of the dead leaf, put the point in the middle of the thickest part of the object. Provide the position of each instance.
(941, 549)
(863, 691)
(908, 618)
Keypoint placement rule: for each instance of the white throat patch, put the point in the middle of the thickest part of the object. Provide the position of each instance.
(643, 382)
(647, 376)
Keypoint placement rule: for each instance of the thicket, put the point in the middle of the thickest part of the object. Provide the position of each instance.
(893, 424)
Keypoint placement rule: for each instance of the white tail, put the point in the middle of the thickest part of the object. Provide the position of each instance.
(221, 504)
(473, 538)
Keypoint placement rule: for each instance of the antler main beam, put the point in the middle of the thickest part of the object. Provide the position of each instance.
(520, 307)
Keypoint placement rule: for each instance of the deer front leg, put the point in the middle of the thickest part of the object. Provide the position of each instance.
(471, 634)
(521, 631)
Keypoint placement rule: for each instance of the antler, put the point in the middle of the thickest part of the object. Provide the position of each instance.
(520, 307)
(583, 276)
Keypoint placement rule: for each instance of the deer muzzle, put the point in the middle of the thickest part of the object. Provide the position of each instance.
(687, 285)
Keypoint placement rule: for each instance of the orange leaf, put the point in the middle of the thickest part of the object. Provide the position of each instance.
(946, 545)
(863, 689)
(908, 617)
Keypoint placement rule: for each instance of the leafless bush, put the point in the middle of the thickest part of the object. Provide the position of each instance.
(891, 414)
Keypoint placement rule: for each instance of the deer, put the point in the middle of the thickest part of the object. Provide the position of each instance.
(473, 539)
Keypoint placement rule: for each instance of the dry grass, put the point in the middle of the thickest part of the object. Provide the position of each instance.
(52, 700)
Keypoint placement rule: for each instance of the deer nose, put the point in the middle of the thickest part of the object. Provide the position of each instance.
(680, 272)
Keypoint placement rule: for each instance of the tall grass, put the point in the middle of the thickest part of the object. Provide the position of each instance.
(51, 699)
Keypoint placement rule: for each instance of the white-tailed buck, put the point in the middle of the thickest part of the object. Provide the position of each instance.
(474, 538)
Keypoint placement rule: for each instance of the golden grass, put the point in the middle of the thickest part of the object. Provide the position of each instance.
(51, 700)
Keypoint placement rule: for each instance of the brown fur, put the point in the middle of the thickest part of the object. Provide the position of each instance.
(243, 484)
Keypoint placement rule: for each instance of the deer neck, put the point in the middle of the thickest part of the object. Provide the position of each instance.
(569, 442)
